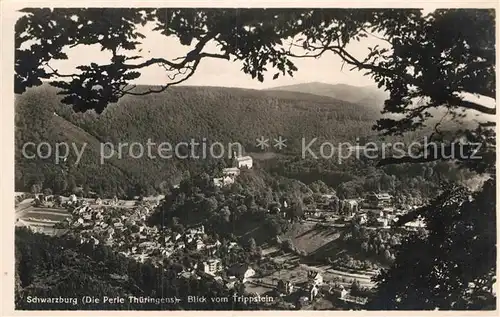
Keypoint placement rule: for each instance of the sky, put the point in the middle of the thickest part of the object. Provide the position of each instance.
(219, 72)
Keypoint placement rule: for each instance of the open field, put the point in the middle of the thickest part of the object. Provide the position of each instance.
(50, 215)
(40, 218)
(308, 237)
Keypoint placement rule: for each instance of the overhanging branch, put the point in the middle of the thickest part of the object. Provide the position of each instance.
(474, 106)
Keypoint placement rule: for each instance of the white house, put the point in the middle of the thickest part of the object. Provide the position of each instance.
(316, 278)
(244, 161)
(224, 181)
(230, 282)
(72, 198)
(231, 171)
(285, 287)
(212, 266)
(21, 223)
(241, 271)
(414, 225)
(343, 292)
(383, 221)
(313, 292)
(214, 245)
(362, 219)
(352, 205)
(199, 244)
(248, 273)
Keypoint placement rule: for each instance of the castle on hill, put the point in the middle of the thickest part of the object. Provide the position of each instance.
(230, 173)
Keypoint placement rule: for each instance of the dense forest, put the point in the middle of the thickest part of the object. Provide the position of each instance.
(217, 114)
(180, 114)
(354, 178)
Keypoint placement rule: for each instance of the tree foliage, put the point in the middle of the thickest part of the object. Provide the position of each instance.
(453, 265)
(425, 61)
(432, 56)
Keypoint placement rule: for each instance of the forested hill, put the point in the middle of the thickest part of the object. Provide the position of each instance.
(228, 114)
(178, 114)
(367, 95)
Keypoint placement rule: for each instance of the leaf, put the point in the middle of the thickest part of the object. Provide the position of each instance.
(276, 76)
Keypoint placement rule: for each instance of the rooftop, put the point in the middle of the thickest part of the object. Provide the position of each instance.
(381, 196)
(231, 170)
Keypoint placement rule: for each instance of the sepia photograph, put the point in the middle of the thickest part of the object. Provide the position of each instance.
(254, 159)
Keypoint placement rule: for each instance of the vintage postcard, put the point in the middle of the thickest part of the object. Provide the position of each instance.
(227, 157)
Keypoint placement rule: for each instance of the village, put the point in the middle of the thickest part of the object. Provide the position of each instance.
(122, 226)
(125, 230)
(376, 210)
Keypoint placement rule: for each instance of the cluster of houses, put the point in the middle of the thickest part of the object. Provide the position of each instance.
(104, 225)
(213, 268)
(74, 201)
(127, 232)
(310, 290)
(379, 210)
(376, 210)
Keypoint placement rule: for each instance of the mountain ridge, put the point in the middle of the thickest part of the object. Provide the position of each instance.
(178, 114)
(366, 95)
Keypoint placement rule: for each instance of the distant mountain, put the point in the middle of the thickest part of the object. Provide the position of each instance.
(372, 98)
(178, 114)
(368, 95)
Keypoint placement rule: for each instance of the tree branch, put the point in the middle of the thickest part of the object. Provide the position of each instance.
(474, 106)
(164, 87)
